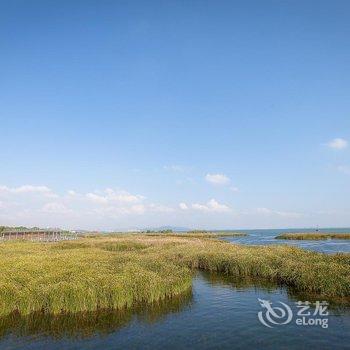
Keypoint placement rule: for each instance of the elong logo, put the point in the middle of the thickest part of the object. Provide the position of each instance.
(272, 316)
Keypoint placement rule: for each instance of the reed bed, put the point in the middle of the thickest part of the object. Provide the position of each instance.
(314, 236)
(117, 272)
(230, 234)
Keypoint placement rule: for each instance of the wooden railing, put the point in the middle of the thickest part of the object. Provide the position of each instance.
(38, 235)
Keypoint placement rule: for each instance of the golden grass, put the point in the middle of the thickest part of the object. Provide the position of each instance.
(120, 271)
(314, 236)
(230, 234)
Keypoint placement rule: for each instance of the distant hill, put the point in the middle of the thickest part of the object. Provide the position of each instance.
(165, 228)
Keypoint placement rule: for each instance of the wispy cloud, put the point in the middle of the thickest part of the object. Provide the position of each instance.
(338, 144)
(183, 206)
(113, 207)
(113, 196)
(31, 202)
(25, 189)
(217, 179)
(270, 212)
(211, 205)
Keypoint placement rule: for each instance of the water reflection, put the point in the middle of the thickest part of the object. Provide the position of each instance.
(243, 284)
(87, 324)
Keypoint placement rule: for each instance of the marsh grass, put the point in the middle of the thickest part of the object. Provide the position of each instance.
(230, 234)
(313, 236)
(120, 271)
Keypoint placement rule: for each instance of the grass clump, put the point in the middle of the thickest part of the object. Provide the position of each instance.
(43, 276)
(313, 236)
(230, 234)
(120, 271)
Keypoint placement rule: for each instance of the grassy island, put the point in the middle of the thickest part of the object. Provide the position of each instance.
(119, 271)
(314, 236)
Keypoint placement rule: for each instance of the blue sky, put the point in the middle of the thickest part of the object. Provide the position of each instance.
(204, 114)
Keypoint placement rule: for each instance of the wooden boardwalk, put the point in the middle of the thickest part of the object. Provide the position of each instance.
(37, 235)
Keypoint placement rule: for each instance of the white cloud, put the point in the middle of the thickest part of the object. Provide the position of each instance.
(111, 196)
(337, 144)
(115, 208)
(183, 206)
(96, 198)
(122, 196)
(215, 206)
(217, 179)
(212, 205)
(198, 206)
(29, 189)
(29, 202)
(268, 212)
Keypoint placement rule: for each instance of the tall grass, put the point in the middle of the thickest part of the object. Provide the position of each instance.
(230, 234)
(122, 270)
(90, 276)
(314, 236)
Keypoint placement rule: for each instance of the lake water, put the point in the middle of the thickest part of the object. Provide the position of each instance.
(218, 313)
(267, 237)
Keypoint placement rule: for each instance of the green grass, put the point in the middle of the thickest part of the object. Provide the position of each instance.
(314, 236)
(120, 271)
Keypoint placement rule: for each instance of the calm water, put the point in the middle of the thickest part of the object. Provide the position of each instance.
(219, 313)
(267, 237)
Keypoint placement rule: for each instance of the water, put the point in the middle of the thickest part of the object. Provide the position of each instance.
(267, 237)
(219, 313)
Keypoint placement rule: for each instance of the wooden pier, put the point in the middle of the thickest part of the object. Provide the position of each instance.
(37, 235)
